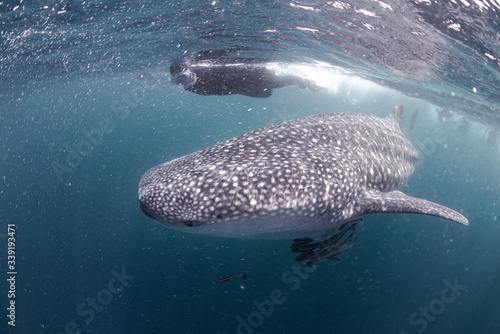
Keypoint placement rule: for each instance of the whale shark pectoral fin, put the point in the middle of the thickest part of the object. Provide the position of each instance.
(375, 201)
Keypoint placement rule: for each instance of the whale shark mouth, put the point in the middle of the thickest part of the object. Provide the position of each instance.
(144, 210)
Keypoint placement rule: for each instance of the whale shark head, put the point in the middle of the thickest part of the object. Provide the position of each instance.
(293, 178)
(229, 199)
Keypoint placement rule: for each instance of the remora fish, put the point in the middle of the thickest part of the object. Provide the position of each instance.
(292, 179)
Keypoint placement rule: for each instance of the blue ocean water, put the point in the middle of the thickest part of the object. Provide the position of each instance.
(84, 113)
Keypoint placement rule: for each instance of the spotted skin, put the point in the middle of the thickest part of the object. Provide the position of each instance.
(295, 178)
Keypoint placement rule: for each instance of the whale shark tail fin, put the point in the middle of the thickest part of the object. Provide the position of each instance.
(396, 115)
(375, 201)
(410, 124)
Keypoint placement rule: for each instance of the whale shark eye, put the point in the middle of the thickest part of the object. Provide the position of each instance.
(189, 223)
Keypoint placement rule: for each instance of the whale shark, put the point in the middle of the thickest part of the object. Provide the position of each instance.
(310, 178)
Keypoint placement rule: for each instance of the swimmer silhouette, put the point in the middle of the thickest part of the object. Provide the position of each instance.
(226, 76)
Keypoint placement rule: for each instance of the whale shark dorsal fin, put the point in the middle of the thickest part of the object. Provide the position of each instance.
(374, 201)
(396, 114)
(410, 124)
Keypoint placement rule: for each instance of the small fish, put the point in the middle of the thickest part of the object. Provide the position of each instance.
(326, 247)
(227, 278)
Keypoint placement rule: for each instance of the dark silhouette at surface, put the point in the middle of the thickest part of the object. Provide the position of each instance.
(226, 76)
